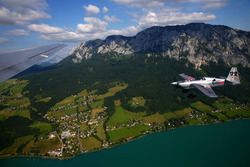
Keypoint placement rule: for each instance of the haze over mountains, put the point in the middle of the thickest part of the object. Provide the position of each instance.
(198, 43)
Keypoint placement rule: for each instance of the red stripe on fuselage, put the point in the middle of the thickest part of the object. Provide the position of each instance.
(220, 83)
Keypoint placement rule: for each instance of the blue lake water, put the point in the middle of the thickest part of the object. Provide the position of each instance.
(226, 144)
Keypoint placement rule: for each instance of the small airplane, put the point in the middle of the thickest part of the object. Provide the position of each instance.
(206, 83)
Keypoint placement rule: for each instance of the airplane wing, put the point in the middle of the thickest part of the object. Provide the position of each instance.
(208, 91)
(186, 77)
(12, 63)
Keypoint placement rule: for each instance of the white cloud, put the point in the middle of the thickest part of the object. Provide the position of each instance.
(65, 36)
(149, 4)
(168, 17)
(207, 4)
(142, 3)
(93, 29)
(105, 9)
(127, 31)
(92, 9)
(92, 25)
(12, 17)
(215, 4)
(3, 40)
(44, 28)
(111, 19)
(85, 35)
(85, 28)
(20, 12)
(20, 5)
(18, 32)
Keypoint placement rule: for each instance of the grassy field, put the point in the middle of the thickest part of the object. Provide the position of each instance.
(18, 102)
(43, 127)
(83, 93)
(95, 111)
(121, 116)
(97, 104)
(224, 104)
(137, 101)
(44, 100)
(69, 105)
(84, 127)
(200, 106)
(225, 108)
(182, 113)
(67, 100)
(15, 87)
(14, 100)
(17, 144)
(154, 118)
(6, 113)
(91, 143)
(63, 112)
(41, 146)
(169, 115)
(128, 132)
(220, 116)
(242, 111)
(230, 109)
(177, 114)
(101, 132)
(194, 121)
(82, 108)
(112, 91)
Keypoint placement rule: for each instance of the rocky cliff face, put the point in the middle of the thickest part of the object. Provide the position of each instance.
(197, 42)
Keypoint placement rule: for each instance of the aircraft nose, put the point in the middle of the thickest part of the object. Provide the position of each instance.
(174, 83)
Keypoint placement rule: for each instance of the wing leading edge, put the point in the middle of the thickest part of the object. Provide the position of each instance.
(208, 91)
(186, 77)
(12, 63)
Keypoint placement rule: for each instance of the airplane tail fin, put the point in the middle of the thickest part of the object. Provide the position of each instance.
(233, 76)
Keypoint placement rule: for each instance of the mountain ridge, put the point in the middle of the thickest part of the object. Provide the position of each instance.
(199, 43)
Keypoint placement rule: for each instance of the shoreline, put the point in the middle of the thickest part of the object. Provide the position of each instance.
(115, 145)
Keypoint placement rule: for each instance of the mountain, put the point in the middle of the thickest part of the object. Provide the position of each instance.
(198, 43)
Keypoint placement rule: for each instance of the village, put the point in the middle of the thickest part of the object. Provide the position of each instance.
(81, 127)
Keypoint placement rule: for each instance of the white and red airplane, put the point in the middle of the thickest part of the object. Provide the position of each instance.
(206, 83)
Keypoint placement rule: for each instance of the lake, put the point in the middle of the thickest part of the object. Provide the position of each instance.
(226, 144)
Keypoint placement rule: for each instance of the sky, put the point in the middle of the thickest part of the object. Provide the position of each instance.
(31, 23)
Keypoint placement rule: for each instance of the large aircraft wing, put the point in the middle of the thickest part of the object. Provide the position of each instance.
(207, 90)
(12, 63)
(186, 77)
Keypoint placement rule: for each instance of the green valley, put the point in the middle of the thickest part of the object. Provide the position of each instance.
(71, 109)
